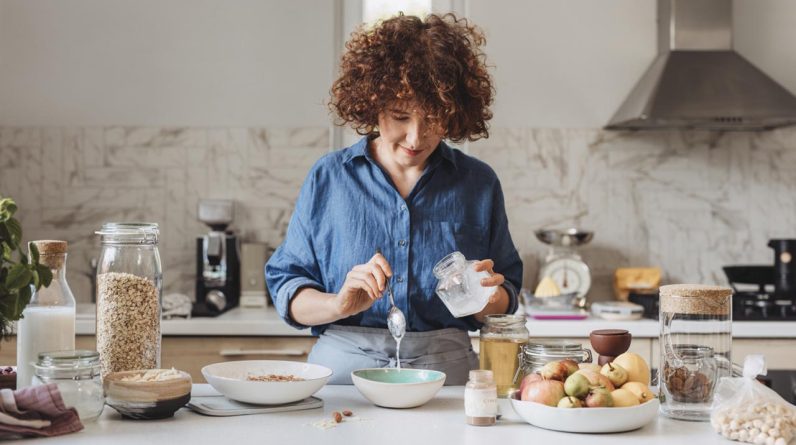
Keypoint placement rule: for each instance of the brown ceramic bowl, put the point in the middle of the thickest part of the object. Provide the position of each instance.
(610, 342)
(146, 399)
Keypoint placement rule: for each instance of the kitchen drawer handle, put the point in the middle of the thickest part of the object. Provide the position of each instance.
(239, 352)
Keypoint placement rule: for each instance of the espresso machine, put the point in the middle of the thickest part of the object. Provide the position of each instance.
(217, 260)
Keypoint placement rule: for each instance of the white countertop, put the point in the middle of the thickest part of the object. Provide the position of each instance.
(266, 322)
(441, 421)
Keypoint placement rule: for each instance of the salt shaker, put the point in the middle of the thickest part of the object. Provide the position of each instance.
(480, 398)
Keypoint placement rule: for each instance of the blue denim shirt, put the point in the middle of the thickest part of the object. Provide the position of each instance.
(348, 206)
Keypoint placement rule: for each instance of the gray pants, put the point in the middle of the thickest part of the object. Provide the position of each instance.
(347, 348)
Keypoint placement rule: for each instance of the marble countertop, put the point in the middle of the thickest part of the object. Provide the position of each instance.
(266, 322)
(440, 421)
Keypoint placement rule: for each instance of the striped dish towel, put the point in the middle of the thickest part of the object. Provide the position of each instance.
(36, 411)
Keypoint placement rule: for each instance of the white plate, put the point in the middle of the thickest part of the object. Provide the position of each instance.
(587, 420)
(229, 378)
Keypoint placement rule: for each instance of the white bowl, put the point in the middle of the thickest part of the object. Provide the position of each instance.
(229, 378)
(586, 420)
(398, 388)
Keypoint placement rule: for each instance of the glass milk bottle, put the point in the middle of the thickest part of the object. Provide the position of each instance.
(48, 322)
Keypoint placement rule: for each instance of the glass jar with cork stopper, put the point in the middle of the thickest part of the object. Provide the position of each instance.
(695, 344)
(48, 321)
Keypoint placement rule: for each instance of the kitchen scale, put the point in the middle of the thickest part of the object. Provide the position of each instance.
(563, 264)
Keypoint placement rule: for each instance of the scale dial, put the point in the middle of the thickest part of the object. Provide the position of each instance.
(571, 275)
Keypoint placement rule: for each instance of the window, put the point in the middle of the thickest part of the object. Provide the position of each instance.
(375, 10)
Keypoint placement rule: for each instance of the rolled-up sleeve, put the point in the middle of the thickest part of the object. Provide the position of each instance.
(502, 251)
(294, 265)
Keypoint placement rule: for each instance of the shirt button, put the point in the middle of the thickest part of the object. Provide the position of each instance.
(403, 207)
(402, 242)
(399, 279)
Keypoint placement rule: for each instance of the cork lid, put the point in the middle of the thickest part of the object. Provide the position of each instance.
(696, 299)
(51, 252)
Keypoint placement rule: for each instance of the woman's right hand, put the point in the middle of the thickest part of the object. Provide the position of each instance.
(363, 285)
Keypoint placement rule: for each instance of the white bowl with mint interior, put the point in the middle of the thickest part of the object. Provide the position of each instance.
(398, 388)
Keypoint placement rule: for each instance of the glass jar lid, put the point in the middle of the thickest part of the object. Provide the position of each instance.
(543, 352)
(80, 358)
(505, 320)
(129, 233)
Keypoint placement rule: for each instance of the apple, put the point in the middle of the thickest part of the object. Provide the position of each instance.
(599, 398)
(615, 373)
(547, 392)
(530, 378)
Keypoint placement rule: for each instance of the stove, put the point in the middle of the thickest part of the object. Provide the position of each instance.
(754, 298)
(757, 306)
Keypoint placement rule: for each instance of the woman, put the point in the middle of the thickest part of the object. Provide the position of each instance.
(405, 85)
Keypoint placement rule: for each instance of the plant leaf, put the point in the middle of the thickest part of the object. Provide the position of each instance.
(15, 230)
(18, 277)
(45, 275)
(34, 252)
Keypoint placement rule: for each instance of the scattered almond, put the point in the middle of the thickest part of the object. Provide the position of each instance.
(337, 417)
(347, 413)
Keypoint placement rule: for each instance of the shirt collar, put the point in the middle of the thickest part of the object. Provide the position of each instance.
(360, 150)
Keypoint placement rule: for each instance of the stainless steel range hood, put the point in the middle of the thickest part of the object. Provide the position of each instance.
(698, 81)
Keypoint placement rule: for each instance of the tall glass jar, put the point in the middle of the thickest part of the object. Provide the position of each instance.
(77, 375)
(695, 340)
(48, 322)
(502, 336)
(128, 297)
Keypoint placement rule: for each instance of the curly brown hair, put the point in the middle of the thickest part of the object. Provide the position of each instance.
(437, 63)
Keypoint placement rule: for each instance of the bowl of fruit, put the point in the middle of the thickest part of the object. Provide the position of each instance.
(585, 398)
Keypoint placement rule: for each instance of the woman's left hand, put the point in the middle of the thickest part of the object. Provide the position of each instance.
(495, 279)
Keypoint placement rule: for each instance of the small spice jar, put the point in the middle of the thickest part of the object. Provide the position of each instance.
(128, 297)
(501, 338)
(480, 398)
(77, 375)
(534, 355)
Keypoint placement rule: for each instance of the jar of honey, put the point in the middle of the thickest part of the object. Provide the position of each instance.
(502, 337)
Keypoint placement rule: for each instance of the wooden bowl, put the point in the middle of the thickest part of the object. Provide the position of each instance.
(146, 399)
(611, 342)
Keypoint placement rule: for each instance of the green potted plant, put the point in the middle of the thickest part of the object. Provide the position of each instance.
(19, 274)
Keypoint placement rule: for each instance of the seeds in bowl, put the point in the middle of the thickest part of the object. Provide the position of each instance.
(154, 375)
(274, 378)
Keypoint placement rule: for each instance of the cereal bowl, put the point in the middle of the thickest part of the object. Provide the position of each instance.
(266, 382)
(398, 388)
(147, 394)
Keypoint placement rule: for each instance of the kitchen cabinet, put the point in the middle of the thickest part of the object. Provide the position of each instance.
(190, 354)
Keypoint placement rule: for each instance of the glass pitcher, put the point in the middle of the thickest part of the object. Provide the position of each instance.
(695, 343)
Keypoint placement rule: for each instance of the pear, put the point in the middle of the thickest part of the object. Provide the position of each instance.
(599, 398)
(640, 390)
(554, 371)
(637, 368)
(570, 402)
(572, 366)
(623, 397)
(615, 373)
(577, 385)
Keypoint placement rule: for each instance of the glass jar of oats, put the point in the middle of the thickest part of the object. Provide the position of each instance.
(128, 297)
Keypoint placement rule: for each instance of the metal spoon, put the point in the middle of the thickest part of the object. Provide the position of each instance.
(396, 322)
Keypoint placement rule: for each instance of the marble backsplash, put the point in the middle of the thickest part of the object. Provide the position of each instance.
(687, 201)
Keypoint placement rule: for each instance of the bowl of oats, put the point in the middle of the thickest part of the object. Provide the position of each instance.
(148, 393)
(266, 382)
